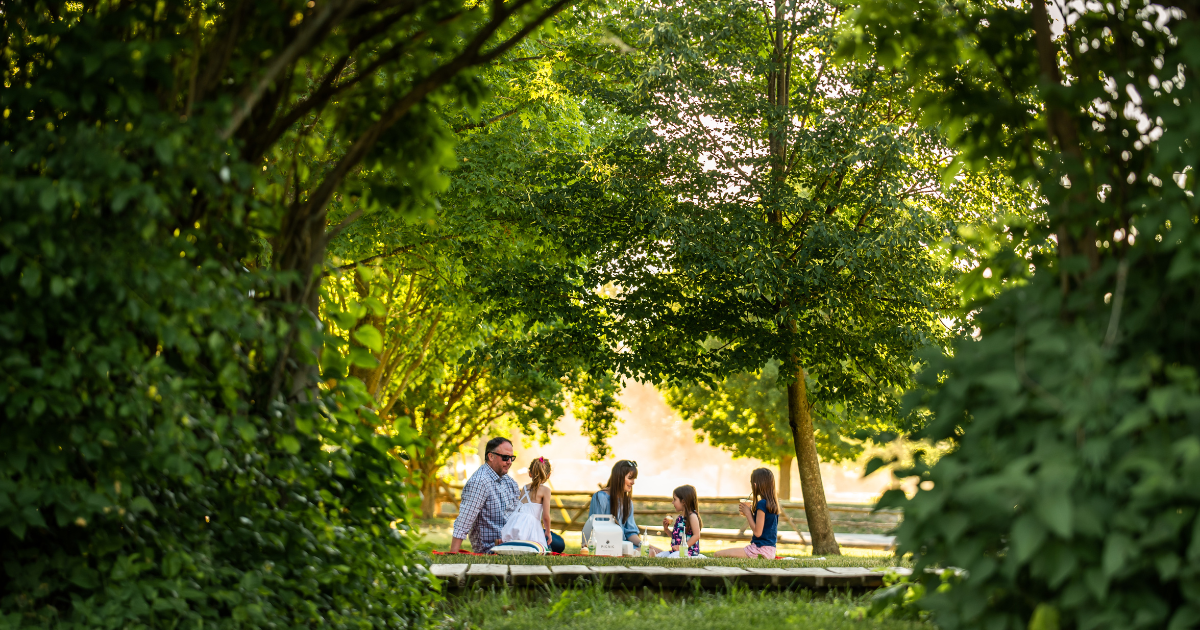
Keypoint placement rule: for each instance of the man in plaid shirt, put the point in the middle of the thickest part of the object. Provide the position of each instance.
(487, 498)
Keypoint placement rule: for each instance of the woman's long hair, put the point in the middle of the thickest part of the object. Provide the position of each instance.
(762, 485)
(539, 472)
(619, 501)
(691, 505)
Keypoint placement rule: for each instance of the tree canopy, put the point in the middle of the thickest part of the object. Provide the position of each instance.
(171, 455)
(768, 205)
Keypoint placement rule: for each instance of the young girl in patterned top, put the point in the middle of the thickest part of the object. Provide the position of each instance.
(686, 527)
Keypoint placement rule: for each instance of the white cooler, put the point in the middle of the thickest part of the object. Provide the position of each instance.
(607, 534)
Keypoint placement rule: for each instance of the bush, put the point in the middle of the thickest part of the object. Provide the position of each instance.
(150, 475)
(1071, 496)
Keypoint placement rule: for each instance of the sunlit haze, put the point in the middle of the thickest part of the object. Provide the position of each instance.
(667, 456)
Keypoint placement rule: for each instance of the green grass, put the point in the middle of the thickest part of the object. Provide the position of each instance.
(435, 534)
(595, 608)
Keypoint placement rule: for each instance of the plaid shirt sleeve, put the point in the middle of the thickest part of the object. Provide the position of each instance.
(469, 507)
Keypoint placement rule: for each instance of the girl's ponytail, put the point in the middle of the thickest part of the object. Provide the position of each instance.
(762, 485)
(539, 472)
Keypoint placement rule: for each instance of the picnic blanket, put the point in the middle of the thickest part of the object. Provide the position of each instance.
(472, 553)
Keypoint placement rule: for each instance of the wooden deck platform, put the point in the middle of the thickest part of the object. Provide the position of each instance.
(459, 576)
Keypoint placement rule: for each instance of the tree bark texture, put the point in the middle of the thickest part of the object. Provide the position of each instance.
(430, 506)
(785, 478)
(819, 526)
(779, 96)
(1073, 240)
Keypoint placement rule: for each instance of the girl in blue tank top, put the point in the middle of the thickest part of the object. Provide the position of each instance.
(762, 516)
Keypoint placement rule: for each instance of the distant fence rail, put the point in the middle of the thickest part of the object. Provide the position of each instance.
(571, 510)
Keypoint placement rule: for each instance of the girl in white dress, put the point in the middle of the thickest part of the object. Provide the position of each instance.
(531, 519)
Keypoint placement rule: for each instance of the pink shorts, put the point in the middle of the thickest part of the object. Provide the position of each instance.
(754, 551)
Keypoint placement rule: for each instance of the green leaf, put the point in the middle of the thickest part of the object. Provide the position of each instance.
(376, 306)
(31, 277)
(1118, 549)
(142, 504)
(1045, 617)
(289, 443)
(873, 465)
(369, 336)
(344, 320)
(1055, 511)
(33, 517)
(9, 262)
(48, 198)
(215, 459)
(84, 576)
(1028, 534)
(361, 357)
(172, 564)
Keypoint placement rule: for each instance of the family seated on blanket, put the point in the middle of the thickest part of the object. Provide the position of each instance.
(494, 510)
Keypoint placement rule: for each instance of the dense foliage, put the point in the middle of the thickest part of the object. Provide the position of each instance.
(420, 330)
(171, 453)
(769, 205)
(1070, 494)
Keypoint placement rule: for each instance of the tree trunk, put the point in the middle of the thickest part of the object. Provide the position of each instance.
(1065, 135)
(430, 506)
(785, 478)
(820, 529)
(300, 248)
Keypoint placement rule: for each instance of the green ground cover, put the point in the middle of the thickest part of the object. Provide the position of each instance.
(596, 608)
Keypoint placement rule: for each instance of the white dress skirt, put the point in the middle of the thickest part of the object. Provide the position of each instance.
(525, 522)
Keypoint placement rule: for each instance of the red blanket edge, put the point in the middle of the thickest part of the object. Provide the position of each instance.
(472, 553)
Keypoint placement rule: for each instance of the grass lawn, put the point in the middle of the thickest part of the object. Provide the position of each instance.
(435, 534)
(595, 608)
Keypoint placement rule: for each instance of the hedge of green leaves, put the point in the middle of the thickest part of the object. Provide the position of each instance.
(1072, 495)
(148, 478)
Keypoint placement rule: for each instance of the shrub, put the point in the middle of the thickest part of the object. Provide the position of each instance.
(1071, 494)
(150, 475)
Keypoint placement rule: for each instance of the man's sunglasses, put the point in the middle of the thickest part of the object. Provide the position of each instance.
(503, 458)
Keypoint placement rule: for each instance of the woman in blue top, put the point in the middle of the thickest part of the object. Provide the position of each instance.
(616, 499)
(762, 515)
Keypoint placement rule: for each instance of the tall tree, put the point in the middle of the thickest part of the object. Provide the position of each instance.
(774, 205)
(1069, 495)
